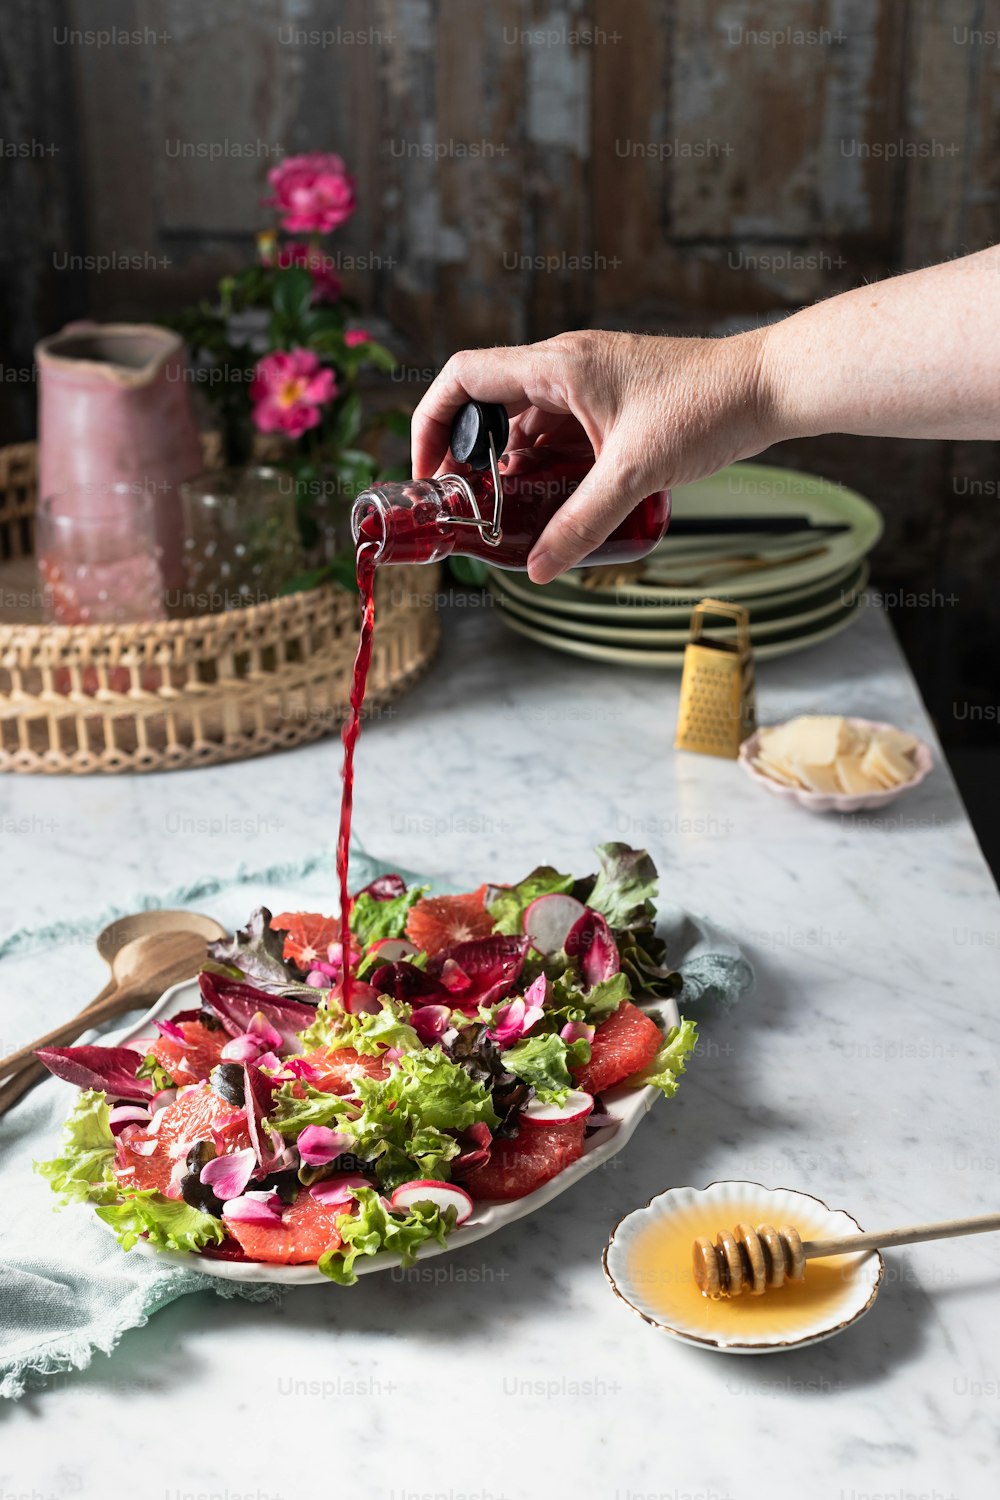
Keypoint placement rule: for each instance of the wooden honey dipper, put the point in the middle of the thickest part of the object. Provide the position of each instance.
(752, 1260)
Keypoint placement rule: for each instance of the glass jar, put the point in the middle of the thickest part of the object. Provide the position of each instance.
(241, 539)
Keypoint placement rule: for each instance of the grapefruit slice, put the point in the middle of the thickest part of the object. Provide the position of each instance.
(624, 1044)
(338, 1068)
(308, 935)
(197, 1114)
(194, 1059)
(439, 922)
(307, 1228)
(519, 1166)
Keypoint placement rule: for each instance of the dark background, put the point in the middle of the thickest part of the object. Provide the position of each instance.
(666, 165)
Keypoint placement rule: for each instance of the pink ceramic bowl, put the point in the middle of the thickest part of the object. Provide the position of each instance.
(841, 802)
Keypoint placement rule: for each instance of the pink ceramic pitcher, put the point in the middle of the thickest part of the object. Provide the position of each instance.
(114, 408)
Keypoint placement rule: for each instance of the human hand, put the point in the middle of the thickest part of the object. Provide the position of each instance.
(656, 411)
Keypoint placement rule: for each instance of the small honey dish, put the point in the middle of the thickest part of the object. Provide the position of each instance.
(649, 1264)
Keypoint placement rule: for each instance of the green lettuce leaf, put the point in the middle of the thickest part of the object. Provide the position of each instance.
(405, 1118)
(664, 1071)
(373, 920)
(594, 1005)
(167, 1223)
(544, 1062)
(373, 1227)
(369, 1035)
(153, 1069)
(508, 906)
(82, 1170)
(290, 1114)
(625, 889)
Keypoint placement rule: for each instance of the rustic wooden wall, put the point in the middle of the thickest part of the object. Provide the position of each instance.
(525, 167)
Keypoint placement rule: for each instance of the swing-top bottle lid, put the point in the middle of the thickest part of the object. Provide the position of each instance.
(475, 423)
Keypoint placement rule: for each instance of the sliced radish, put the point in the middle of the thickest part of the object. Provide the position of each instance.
(577, 1105)
(394, 950)
(548, 919)
(443, 1194)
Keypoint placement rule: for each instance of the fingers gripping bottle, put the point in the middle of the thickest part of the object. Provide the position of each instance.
(496, 503)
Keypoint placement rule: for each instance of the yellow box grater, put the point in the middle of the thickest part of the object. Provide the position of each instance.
(718, 699)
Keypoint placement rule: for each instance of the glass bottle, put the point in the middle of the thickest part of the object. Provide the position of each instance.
(423, 520)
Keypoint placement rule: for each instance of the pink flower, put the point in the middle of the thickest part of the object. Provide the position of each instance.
(326, 283)
(355, 336)
(312, 193)
(288, 389)
(515, 1020)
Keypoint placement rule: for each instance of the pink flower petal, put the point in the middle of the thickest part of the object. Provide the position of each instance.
(172, 1030)
(241, 1049)
(537, 991)
(454, 977)
(261, 1028)
(576, 1031)
(338, 1189)
(228, 1175)
(254, 1208)
(430, 1022)
(319, 1145)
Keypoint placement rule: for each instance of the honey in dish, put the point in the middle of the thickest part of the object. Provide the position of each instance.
(660, 1262)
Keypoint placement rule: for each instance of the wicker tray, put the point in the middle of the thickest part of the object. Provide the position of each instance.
(159, 696)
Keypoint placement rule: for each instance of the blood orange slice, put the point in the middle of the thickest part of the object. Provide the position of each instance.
(536, 1155)
(197, 1114)
(308, 935)
(194, 1058)
(306, 1230)
(338, 1068)
(624, 1044)
(439, 922)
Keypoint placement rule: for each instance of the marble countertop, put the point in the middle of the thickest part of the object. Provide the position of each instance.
(863, 1069)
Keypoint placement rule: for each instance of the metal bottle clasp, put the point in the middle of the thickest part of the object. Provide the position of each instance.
(491, 529)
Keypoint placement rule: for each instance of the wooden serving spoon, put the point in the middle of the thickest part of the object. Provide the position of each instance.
(146, 958)
(755, 1260)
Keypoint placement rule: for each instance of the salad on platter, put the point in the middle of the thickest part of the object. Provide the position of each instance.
(338, 1094)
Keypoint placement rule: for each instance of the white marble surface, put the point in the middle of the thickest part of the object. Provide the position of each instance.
(863, 1070)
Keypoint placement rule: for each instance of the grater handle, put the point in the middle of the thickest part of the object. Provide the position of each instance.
(736, 612)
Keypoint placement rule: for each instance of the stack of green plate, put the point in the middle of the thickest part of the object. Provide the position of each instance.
(799, 590)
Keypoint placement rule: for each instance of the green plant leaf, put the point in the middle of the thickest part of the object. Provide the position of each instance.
(292, 297)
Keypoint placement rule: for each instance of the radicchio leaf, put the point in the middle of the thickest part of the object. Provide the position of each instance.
(590, 944)
(383, 888)
(492, 966)
(112, 1069)
(236, 1004)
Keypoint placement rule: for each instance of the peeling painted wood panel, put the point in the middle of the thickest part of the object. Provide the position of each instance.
(559, 239)
(630, 183)
(744, 119)
(42, 206)
(117, 151)
(982, 217)
(942, 77)
(409, 182)
(220, 111)
(480, 113)
(334, 55)
(943, 125)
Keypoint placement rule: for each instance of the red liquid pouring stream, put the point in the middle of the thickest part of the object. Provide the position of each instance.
(349, 735)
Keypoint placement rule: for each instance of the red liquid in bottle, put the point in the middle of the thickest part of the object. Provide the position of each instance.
(349, 735)
(415, 522)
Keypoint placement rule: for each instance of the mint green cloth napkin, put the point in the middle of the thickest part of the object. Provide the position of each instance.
(66, 1289)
